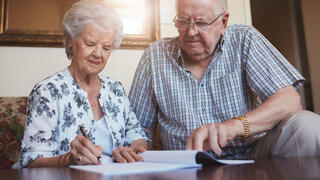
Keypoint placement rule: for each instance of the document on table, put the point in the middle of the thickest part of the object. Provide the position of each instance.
(156, 161)
(188, 157)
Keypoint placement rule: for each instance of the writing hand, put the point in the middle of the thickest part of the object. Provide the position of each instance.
(84, 151)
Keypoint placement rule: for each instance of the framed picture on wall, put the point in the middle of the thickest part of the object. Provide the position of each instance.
(38, 22)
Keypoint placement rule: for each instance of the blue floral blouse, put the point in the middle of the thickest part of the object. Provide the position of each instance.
(57, 107)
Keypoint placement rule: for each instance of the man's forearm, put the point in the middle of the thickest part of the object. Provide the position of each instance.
(279, 106)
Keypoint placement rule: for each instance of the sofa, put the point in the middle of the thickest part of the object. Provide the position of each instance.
(12, 118)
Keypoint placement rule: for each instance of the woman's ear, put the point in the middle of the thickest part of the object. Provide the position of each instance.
(69, 48)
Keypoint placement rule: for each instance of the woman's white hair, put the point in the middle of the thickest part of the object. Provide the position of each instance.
(85, 12)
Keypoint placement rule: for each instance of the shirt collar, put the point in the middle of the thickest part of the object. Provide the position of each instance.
(221, 42)
(74, 84)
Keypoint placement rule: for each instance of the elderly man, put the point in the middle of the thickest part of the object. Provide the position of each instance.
(199, 87)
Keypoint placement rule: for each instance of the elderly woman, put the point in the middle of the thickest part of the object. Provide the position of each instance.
(79, 97)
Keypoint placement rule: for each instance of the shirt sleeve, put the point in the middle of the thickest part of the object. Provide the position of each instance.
(141, 93)
(40, 128)
(266, 69)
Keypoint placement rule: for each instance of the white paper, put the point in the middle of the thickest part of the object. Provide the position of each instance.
(154, 161)
(177, 156)
(223, 161)
(183, 157)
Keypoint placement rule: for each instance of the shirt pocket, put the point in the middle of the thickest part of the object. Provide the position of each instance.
(227, 95)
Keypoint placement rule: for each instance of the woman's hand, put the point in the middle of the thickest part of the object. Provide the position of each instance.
(83, 151)
(130, 154)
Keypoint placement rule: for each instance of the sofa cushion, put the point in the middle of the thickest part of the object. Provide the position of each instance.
(12, 118)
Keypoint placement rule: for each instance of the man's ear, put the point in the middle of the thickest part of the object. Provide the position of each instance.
(225, 20)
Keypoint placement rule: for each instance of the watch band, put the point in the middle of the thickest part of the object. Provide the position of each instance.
(245, 123)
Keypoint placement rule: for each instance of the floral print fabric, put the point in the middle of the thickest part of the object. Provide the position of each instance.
(12, 118)
(57, 107)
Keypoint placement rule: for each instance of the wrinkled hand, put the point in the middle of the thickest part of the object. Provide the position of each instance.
(210, 136)
(83, 151)
(130, 154)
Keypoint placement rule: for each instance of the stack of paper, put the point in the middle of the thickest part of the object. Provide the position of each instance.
(156, 161)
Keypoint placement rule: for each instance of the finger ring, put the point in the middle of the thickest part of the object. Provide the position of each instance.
(79, 157)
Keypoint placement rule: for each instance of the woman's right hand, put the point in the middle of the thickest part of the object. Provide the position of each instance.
(83, 151)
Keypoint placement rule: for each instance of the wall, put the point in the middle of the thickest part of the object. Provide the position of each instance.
(287, 37)
(22, 67)
(311, 15)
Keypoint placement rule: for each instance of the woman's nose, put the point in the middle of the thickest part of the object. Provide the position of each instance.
(97, 51)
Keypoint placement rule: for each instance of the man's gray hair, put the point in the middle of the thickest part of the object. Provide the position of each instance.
(85, 12)
(220, 7)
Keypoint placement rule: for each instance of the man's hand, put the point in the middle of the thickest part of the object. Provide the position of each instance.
(213, 136)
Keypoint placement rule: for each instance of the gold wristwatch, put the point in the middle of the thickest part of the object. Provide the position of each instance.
(245, 123)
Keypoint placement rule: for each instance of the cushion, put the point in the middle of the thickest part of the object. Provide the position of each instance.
(12, 118)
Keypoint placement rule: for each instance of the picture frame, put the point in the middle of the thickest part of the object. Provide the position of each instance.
(21, 24)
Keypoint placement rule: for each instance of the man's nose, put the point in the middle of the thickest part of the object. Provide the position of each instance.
(192, 29)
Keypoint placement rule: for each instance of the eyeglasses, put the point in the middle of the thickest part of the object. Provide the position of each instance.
(183, 24)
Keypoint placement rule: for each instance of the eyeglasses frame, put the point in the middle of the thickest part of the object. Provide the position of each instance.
(194, 23)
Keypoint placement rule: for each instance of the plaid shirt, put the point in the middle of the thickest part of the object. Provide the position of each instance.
(164, 92)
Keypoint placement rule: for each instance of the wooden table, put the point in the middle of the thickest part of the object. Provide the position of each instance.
(291, 168)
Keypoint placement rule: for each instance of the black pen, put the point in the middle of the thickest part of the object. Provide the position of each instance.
(86, 135)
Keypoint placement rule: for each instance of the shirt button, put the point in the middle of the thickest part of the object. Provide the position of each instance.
(201, 85)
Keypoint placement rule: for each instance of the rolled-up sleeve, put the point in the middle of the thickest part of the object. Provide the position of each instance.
(40, 128)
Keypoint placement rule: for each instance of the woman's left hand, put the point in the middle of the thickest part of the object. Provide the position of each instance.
(130, 153)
